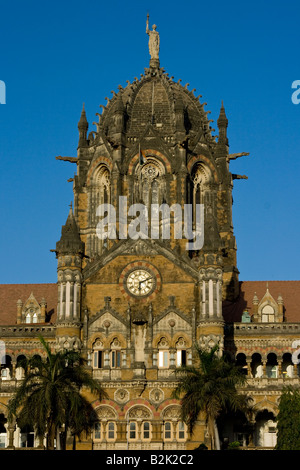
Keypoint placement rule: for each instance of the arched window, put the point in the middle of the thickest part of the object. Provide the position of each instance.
(287, 365)
(99, 193)
(6, 367)
(163, 353)
(268, 314)
(98, 354)
(102, 186)
(105, 427)
(181, 353)
(199, 179)
(241, 362)
(115, 354)
(272, 366)
(20, 367)
(150, 184)
(256, 366)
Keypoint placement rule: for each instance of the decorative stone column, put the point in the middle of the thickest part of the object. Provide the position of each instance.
(11, 427)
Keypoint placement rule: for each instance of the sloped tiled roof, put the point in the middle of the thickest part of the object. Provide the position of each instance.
(289, 290)
(11, 293)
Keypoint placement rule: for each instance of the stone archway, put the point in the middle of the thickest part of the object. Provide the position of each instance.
(265, 429)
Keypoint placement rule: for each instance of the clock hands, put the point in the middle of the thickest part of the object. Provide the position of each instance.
(144, 280)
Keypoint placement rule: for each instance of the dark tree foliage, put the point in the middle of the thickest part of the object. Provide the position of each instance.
(210, 385)
(50, 397)
(288, 420)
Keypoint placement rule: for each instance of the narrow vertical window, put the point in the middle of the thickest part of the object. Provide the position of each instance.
(98, 359)
(163, 359)
(181, 357)
(146, 430)
(111, 431)
(168, 430)
(97, 431)
(132, 430)
(115, 359)
(181, 430)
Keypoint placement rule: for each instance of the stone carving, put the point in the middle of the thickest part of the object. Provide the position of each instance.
(181, 343)
(156, 395)
(163, 343)
(115, 343)
(172, 412)
(68, 343)
(139, 412)
(210, 341)
(98, 344)
(153, 40)
(121, 395)
(104, 412)
(142, 248)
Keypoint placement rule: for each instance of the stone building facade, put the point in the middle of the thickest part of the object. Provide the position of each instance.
(135, 307)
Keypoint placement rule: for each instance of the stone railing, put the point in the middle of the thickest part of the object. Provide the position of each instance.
(27, 330)
(262, 382)
(107, 374)
(265, 328)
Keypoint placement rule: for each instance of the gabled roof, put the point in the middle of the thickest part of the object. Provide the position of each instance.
(11, 293)
(289, 290)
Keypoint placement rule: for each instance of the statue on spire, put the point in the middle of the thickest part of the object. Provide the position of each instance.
(153, 43)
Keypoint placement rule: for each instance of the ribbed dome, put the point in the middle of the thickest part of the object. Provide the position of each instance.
(155, 99)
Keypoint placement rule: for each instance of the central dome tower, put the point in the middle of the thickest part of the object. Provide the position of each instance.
(154, 143)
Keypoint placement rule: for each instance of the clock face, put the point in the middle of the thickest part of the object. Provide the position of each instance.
(140, 282)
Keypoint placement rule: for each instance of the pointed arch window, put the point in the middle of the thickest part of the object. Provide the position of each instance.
(115, 354)
(98, 354)
(200, 177)
(99, 193)
(102, 185)
(163, 353)
(150, 184)
(181, 352)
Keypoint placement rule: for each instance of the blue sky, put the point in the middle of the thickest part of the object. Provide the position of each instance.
(56, 55)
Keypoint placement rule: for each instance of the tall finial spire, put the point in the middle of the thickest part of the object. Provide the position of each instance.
(154, 42)
(83, 128)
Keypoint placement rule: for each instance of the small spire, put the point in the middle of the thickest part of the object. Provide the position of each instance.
(222, 125)
(222, 120)
(70, 241)
(83, 126)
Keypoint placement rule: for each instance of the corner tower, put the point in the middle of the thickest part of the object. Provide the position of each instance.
(69, 253)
